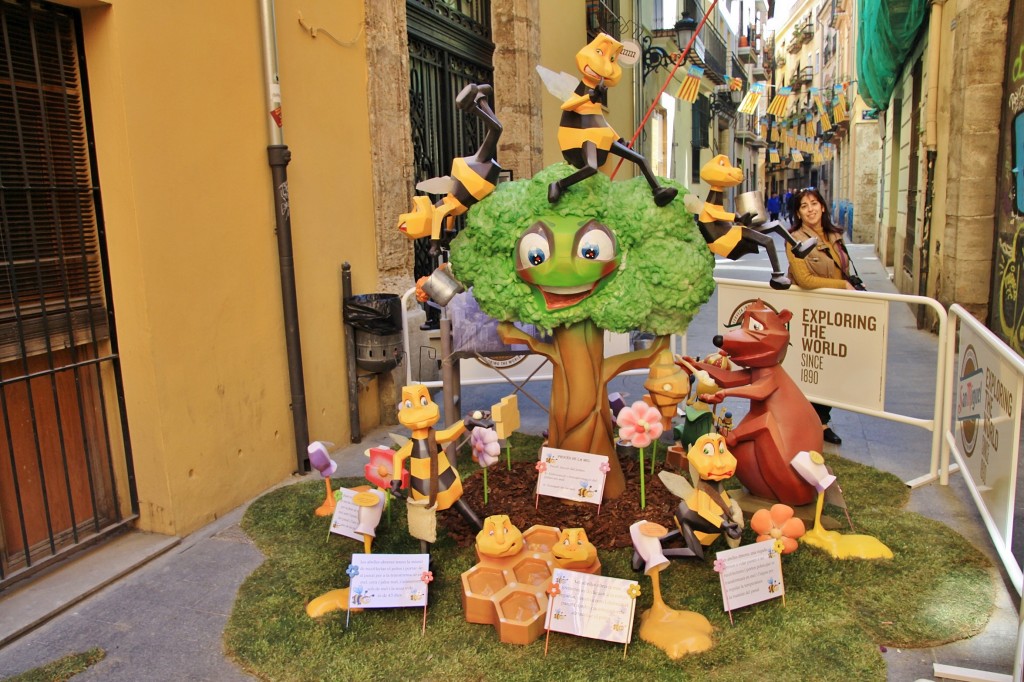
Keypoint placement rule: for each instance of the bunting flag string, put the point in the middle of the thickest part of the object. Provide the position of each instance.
(839, 109)
(777, 107)
(750, 100)
(690, 86)
(826, 124)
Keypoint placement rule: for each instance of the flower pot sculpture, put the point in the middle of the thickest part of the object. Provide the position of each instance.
(811, 466)
(780, 422)
(677, 633)
(604, 257)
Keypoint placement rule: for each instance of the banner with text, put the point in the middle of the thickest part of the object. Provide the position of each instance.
(832, 340)
(986, 424)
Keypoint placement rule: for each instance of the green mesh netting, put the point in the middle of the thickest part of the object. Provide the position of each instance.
(886, 34)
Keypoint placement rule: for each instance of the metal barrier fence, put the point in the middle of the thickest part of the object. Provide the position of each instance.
(984, 384)
(839, 335)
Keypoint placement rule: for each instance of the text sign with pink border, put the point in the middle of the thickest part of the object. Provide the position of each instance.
(570, 475)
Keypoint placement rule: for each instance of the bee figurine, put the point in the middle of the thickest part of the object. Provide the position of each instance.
(730, 236)
(472, 177)
(584, 136)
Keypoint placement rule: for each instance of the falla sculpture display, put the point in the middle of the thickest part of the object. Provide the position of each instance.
(780, 422)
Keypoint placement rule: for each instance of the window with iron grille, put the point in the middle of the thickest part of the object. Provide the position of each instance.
(602, 17)
(701, 121)
(51, 283)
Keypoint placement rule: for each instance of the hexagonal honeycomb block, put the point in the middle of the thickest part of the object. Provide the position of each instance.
(521, 614)
(509, 592)
(479, 585)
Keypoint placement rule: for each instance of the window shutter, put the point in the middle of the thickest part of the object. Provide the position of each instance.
(51, 283)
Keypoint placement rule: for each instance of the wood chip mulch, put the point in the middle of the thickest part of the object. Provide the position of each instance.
(512, 493)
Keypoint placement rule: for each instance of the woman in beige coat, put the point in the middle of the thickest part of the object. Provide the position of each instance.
(827, 266)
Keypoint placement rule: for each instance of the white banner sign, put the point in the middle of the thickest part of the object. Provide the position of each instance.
(388, 580)
(749, 574)
(577, 476)
(986, 424)
(592, 606)
(831, 340)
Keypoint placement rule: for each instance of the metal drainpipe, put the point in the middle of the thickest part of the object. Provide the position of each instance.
(279, 156)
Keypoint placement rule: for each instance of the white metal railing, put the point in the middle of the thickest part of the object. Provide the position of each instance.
(982, 426)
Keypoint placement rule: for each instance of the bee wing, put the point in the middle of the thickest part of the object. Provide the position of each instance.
(676, 484)
(398, 439)
(439, 185)
(560, 84)
(693, 203)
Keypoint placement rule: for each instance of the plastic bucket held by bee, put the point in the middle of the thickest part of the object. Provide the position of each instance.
(752, 202)
(441, 286)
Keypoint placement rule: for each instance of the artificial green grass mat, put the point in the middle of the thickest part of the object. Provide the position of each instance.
(937, 589)
(63, 668)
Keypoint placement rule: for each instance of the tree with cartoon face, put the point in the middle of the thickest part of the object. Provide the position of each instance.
(603, 257)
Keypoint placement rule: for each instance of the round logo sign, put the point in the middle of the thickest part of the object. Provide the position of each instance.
(968, 399)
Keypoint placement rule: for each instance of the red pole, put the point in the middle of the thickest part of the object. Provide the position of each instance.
(675, 67)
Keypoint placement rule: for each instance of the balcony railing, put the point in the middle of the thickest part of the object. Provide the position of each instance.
(748, 130)
(709, 51)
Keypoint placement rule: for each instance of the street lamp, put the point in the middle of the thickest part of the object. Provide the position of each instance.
(685, 28)
(655, 57)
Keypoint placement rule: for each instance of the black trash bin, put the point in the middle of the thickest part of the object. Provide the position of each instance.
(377, 320)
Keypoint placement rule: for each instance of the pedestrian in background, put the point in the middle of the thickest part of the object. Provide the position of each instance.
(787, 205)
(826, 267)
(773, 206)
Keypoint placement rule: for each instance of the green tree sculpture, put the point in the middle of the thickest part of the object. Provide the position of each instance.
(603, 257)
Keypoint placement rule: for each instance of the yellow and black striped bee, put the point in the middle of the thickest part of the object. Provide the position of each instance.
(472, 177)
(584, 136)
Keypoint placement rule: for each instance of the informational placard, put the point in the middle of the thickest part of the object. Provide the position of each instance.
(381, 581)
(831, 338)
(570, 475)
(592, 606)
(749, 574)
(986, 424)
(346, 515)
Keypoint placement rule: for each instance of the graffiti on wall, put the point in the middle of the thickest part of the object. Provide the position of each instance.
(1007, 311)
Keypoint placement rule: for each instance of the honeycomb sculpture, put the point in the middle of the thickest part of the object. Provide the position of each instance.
(509, 592)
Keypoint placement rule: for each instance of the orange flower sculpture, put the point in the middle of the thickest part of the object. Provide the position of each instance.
(778, 523)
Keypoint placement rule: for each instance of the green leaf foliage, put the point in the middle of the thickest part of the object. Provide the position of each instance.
(665, 275)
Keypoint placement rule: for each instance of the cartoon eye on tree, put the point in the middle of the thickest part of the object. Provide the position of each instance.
(603, 257)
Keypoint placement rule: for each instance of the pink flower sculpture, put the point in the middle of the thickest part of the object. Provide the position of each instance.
(639, 424)
(485, 446)
(778, 525)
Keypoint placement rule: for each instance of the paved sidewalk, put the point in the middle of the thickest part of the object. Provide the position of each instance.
(163, 620)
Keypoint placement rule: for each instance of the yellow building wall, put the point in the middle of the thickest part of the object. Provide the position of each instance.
(177, 97)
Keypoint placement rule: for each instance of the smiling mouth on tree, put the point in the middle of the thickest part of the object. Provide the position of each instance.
(557, 298)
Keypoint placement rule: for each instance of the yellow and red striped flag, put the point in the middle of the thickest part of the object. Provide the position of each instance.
(777, 107)
(690, 87)
(839, 109)
(826, 124)
(750, 100)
